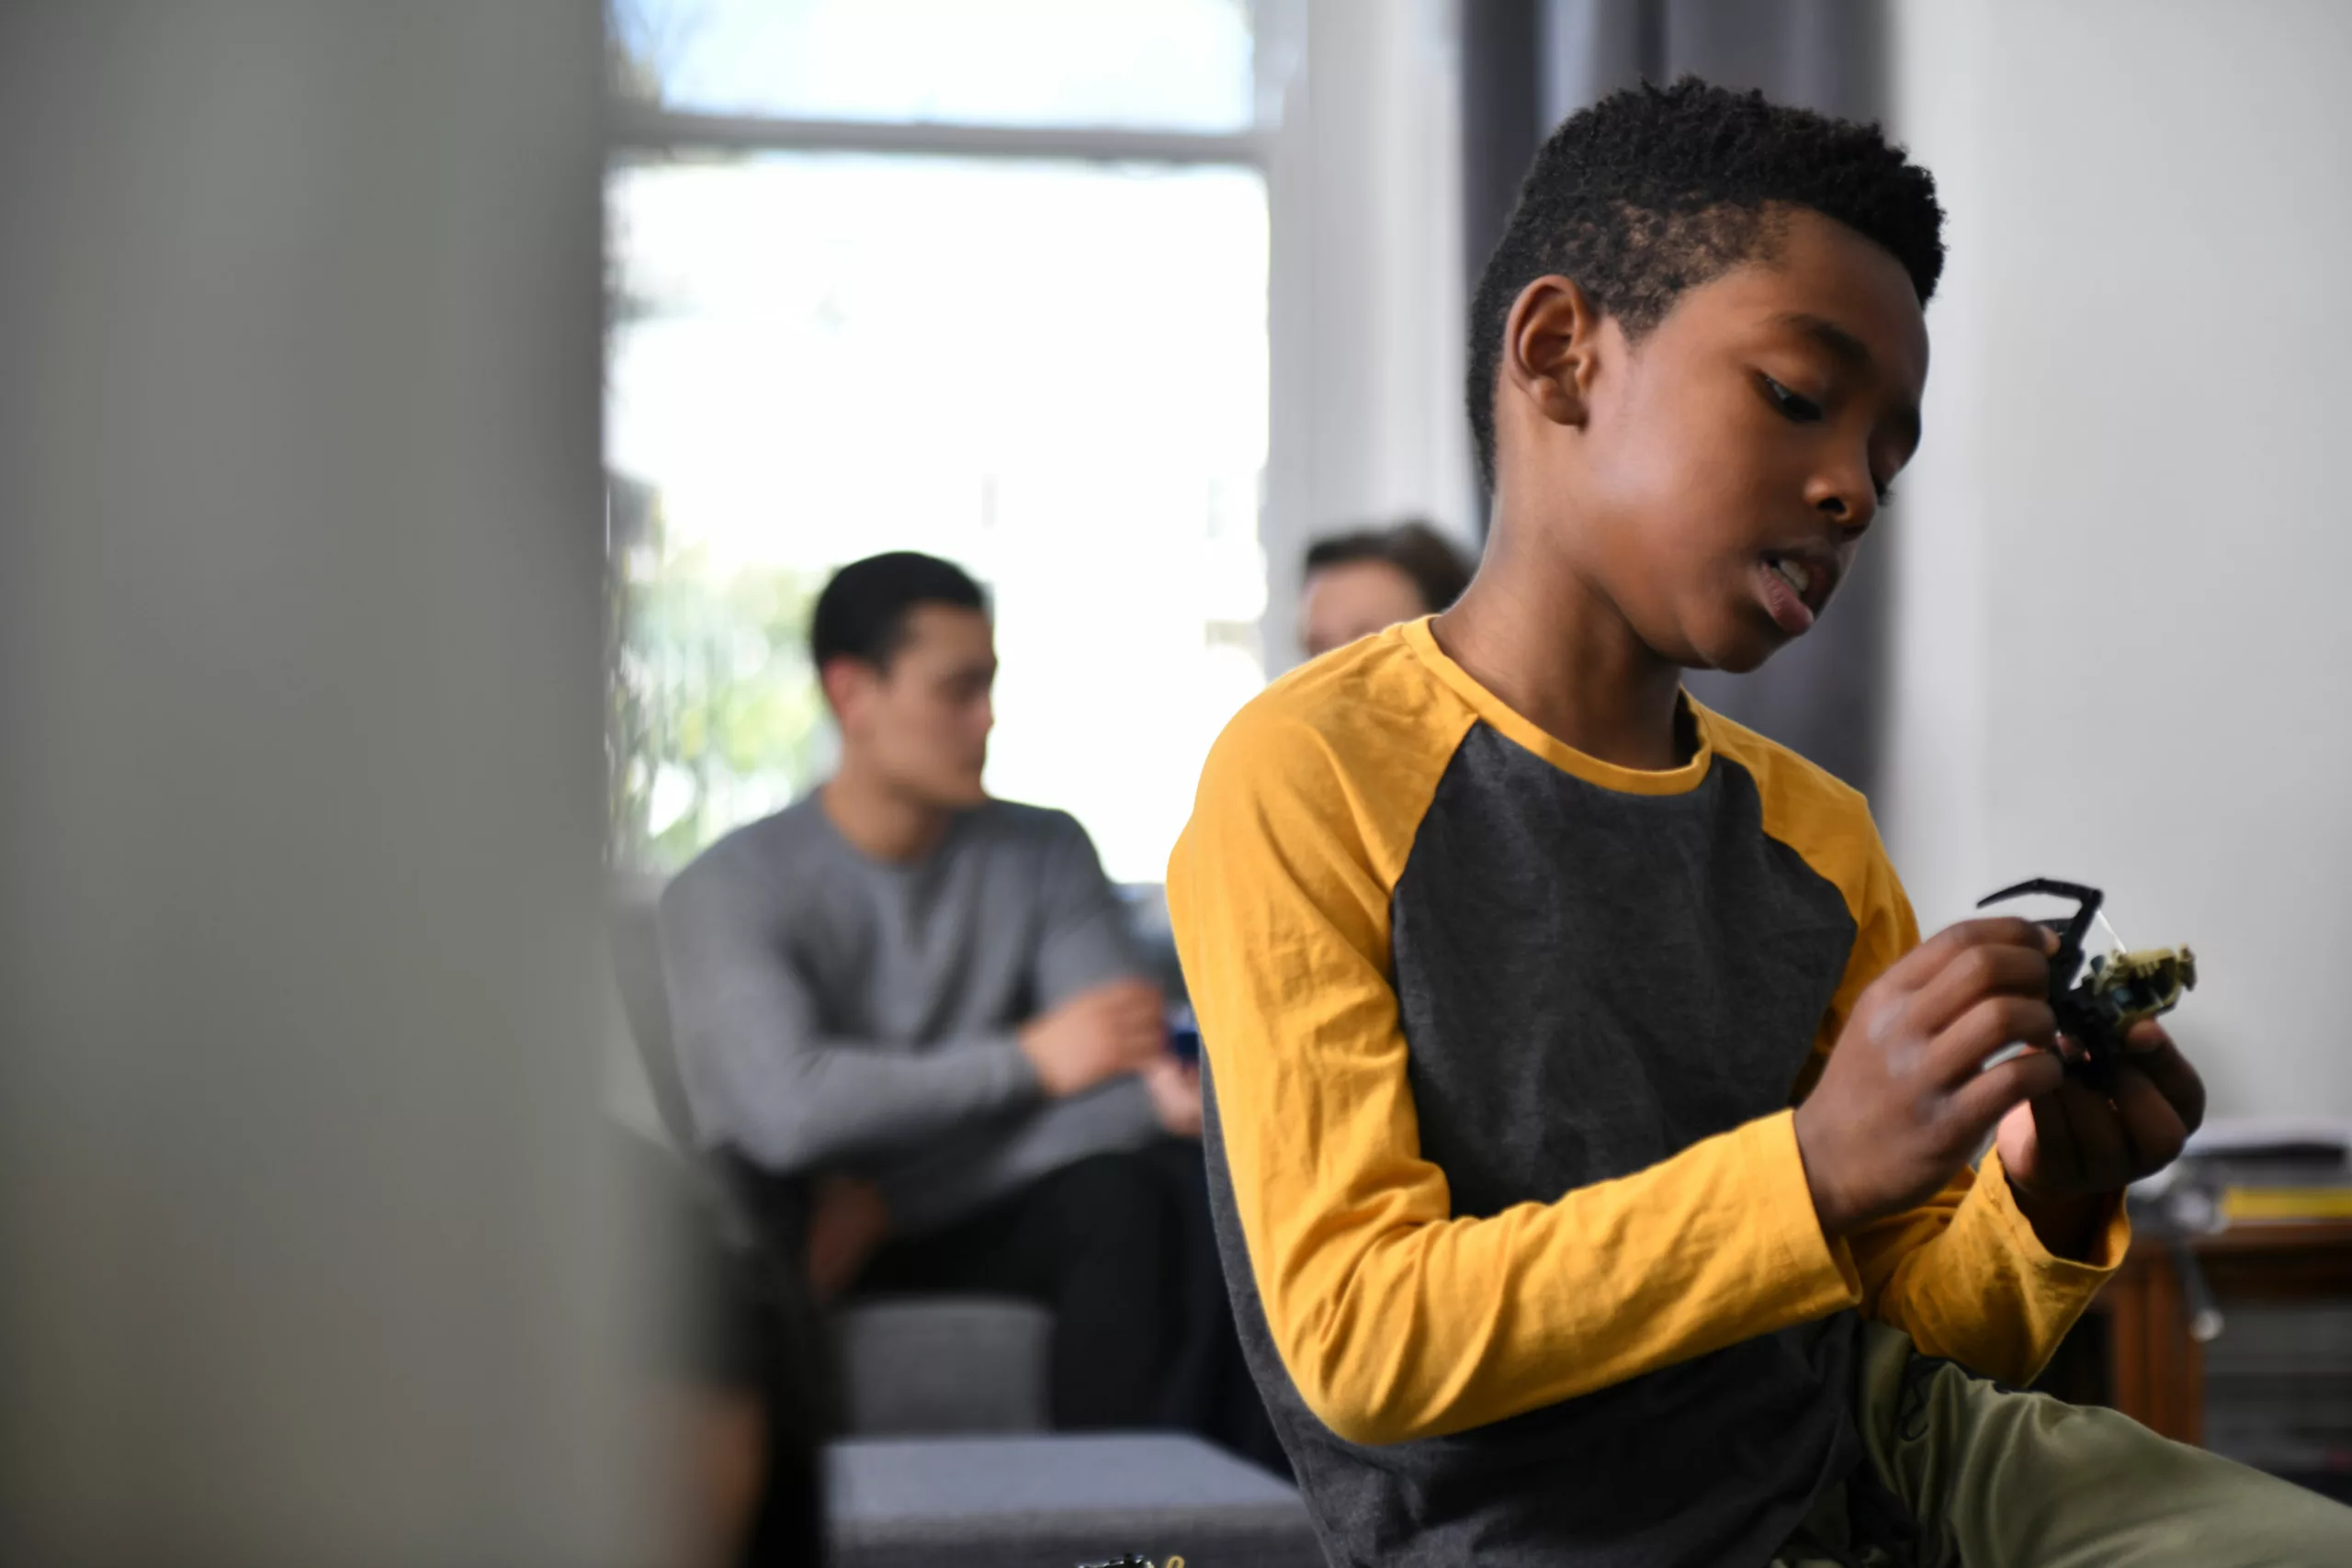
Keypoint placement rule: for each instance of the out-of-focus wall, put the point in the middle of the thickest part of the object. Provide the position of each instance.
(2123, 656)
(305, 1250)
(1367, 305)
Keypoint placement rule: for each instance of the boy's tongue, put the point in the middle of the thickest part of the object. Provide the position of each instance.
(1793, 616)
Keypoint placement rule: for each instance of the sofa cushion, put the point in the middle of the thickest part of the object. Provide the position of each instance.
(1058, 1500)
(934, 1364)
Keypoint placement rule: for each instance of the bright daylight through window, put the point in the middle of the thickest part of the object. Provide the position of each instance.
(1043, 358)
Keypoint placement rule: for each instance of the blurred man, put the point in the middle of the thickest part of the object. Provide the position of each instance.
(1357, 584)
(925, 1003)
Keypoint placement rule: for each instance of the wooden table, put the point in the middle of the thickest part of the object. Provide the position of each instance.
(2155, 1372)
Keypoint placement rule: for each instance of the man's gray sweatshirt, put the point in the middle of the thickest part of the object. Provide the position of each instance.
(837, 1013)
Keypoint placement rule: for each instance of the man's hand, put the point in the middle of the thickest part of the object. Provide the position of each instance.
(1175, 1095)
(1117, 1028)
(847, 1224)
(1905, 1097)
(2067, 1151)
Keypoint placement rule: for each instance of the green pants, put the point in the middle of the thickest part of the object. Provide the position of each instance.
(1990, 1478)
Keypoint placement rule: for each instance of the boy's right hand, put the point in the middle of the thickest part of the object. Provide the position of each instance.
(1906, 1100)
(1120, 1027)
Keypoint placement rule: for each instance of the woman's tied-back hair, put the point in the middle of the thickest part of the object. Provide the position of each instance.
(1655, 190)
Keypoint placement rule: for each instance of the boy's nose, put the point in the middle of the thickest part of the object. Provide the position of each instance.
(1851, 505)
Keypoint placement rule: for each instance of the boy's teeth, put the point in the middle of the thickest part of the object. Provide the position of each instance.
(1795, 575)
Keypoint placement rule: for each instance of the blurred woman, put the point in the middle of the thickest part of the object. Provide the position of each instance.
(1357, 583)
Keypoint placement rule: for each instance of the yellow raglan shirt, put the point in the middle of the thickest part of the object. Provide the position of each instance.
(1503, 1040)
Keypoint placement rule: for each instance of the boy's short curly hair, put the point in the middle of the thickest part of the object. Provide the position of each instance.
(1654, 190)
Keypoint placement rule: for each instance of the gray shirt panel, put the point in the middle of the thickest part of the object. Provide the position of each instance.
(831, 1010)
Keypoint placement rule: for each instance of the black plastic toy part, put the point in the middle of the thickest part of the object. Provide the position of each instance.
(2080, 1017)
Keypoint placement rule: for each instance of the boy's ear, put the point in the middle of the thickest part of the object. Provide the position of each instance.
(1549, 344)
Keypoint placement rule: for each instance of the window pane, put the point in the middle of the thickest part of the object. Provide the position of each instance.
(1161, 64)
(1052, 373)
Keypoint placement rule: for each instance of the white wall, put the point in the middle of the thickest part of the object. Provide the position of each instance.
(2125, 551)
(1367, 296)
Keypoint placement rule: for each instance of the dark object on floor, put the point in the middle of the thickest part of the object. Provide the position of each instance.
(2121, 990)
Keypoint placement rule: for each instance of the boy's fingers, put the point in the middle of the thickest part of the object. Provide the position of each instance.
(2103, 1153)
(2153, 1053)
(2053, 1135)
(1989, 1096)
(2150, 1125)
(1915, 968)
(1958, 1054)
(1986, 969)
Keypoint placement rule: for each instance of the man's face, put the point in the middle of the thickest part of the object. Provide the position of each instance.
(922, 726)
(1731, 460)
(1355, 599)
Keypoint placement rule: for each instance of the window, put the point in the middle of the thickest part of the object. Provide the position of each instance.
(887, 277)
(1182, 65)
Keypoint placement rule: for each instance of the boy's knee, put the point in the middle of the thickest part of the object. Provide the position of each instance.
(2008, 1470)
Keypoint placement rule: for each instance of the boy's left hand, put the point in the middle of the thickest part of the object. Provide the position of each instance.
(2069, 1151)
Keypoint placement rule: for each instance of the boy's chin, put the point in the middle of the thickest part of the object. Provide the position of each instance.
(1742, 640)
(1736, 652)
(1741, 661)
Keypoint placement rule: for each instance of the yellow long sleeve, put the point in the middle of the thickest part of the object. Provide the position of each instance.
(1369, 799)
(1396, 1319)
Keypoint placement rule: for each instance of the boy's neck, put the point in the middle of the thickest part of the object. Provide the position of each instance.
(1547, 643)
(879, 822)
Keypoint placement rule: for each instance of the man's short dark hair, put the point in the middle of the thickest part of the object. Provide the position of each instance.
(1655, 190)
(1413, 547)
(863, 611)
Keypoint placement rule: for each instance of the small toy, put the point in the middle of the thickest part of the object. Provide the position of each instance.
(2122, 989)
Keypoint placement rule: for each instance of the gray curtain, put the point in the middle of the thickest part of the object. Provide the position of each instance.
(1528, 64)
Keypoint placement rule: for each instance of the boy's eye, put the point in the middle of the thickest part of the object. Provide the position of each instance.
(1804, 409)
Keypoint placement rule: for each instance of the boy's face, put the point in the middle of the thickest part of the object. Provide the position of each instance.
(1712, 482)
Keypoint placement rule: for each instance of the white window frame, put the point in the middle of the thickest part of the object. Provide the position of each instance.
(1357, 139)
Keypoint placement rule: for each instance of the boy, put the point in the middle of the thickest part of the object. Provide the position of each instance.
(1588, 1128)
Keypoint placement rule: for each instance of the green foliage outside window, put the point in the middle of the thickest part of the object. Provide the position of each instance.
(713, 717)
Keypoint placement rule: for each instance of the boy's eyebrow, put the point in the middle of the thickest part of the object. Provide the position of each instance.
(1851, 351)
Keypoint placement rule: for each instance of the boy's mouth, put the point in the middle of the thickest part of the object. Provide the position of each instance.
(1797, 584)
